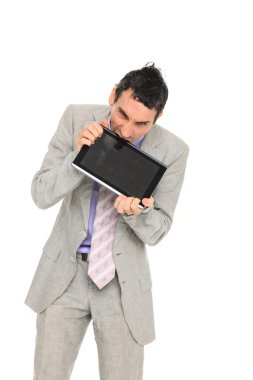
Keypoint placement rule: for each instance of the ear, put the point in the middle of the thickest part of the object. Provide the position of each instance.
(112, 96)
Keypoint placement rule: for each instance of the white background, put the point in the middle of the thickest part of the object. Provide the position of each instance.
(58, 52)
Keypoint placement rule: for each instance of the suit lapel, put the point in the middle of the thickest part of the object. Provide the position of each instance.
(152, 143)
(102, 113)
(86, 187)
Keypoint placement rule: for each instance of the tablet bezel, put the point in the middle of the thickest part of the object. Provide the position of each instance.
(116, 189)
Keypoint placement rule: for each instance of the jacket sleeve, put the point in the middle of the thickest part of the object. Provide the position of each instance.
(57, 176)
(153, 223)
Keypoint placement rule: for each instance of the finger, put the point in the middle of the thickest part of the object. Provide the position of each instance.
(95, 129)
(134, 206)
(85, 141)
(98, 129)
(118, 200)
(104, 122)
(87, 134)
(148, 202)
(121, 204)
(127, 206)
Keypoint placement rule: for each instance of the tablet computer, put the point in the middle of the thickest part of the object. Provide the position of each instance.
(120, 166)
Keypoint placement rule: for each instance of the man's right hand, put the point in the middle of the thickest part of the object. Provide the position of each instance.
(89, 134)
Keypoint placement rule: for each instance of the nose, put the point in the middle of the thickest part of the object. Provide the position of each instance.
(126, 131)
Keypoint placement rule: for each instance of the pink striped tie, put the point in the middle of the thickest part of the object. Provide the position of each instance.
(101, 264)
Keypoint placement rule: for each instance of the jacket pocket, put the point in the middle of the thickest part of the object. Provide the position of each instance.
(145, 282)
(52, 250)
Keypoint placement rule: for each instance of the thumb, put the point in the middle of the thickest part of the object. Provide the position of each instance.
(105, 123)
(148, 202)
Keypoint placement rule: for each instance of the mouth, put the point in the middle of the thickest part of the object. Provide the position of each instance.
(123, 137)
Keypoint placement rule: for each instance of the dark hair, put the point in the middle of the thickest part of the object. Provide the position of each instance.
(148, 87)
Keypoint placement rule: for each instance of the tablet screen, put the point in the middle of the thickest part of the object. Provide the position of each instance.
(121, 165)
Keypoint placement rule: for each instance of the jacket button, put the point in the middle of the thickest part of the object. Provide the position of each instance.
(73, 259)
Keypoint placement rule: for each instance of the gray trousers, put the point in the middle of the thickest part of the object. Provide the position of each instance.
(62, 326)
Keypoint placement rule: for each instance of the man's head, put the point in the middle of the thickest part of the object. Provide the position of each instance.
(137, 102)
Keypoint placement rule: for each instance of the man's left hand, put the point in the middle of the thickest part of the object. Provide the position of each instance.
(129, 205)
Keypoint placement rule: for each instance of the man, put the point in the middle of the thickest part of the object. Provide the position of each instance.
(72, 284)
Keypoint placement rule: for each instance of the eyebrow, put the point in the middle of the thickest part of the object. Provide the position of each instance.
(127, 117)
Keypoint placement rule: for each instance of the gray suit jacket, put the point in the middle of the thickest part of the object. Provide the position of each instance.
(57, 180)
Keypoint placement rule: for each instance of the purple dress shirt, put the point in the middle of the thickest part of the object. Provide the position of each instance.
(85, 246)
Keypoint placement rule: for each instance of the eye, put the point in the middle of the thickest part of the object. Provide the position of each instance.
(141, 123)
(122, 114)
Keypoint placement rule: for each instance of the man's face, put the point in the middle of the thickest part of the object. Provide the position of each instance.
(130, 119)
